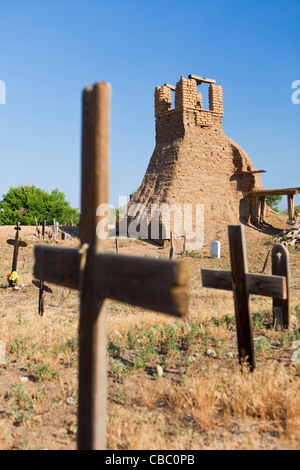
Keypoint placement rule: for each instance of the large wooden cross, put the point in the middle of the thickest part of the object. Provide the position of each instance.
(155, 284)
(243, 283)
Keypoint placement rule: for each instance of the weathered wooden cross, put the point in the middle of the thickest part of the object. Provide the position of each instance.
(42, 288)
(44, 229)
(37, 228)
(155, 284)
(243, 283)
(16, 243)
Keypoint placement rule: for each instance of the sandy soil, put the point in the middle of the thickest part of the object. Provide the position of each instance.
(201, 402)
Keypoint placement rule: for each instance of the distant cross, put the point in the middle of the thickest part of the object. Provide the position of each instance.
(55, 229)
(16, 243)
(42, 288)
(44, 229)
(37, 228)
(172, 248)
(154, 284)
(242, 283)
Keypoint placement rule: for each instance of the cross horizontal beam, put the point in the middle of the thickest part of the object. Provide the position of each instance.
(149, 283)
(259, 284)
(276, 192)
(20, 243)
(42, 286)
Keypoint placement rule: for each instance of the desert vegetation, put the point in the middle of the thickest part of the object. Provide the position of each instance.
(172, 383)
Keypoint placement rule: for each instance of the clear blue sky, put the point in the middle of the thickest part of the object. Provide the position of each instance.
(51, 50)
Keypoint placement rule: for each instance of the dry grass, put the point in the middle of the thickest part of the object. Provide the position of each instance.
(200, 402)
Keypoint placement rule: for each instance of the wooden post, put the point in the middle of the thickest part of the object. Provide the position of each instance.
(291, 207)
(172, 248)
(41, 299)
(242, 284)
(281, 267)
(37, 228)
(262, 209)
(266, 262)
(255, 211)
(184, 243)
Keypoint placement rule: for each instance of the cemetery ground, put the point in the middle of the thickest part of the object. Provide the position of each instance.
(172, 384)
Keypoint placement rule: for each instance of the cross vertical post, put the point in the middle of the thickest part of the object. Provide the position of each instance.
(92, 329)
(239, 265)
(41, 299)
(44, 229)
(16, 248)
(291, 207)
(54, 229)
(262, 209)
(37, 228)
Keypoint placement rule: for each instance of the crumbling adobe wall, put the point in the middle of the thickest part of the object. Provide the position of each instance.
(194, 162)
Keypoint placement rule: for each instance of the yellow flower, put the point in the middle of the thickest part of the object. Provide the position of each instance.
(13, 278)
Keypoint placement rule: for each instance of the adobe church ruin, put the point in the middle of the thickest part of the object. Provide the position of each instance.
(194, 162)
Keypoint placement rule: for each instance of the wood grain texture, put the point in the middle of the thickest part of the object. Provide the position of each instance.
(239, 264)
(92, 326)
(59, 266)
(158, 285)
(268, 286)
(216, 279)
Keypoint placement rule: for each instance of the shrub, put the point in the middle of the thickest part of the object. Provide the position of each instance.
(27, 203)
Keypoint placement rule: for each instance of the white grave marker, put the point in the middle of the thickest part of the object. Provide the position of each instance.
(215, 249)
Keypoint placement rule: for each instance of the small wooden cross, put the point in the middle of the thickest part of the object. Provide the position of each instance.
(172, 248)
(42, 288)
(154, 284)
(37, 228)
(44, 229)
(242, 283)
(16, 243)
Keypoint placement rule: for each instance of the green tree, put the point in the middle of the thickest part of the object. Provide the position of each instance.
(273, 202)
(27, 203)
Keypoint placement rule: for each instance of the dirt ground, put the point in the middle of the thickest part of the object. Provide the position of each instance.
(171, 384)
